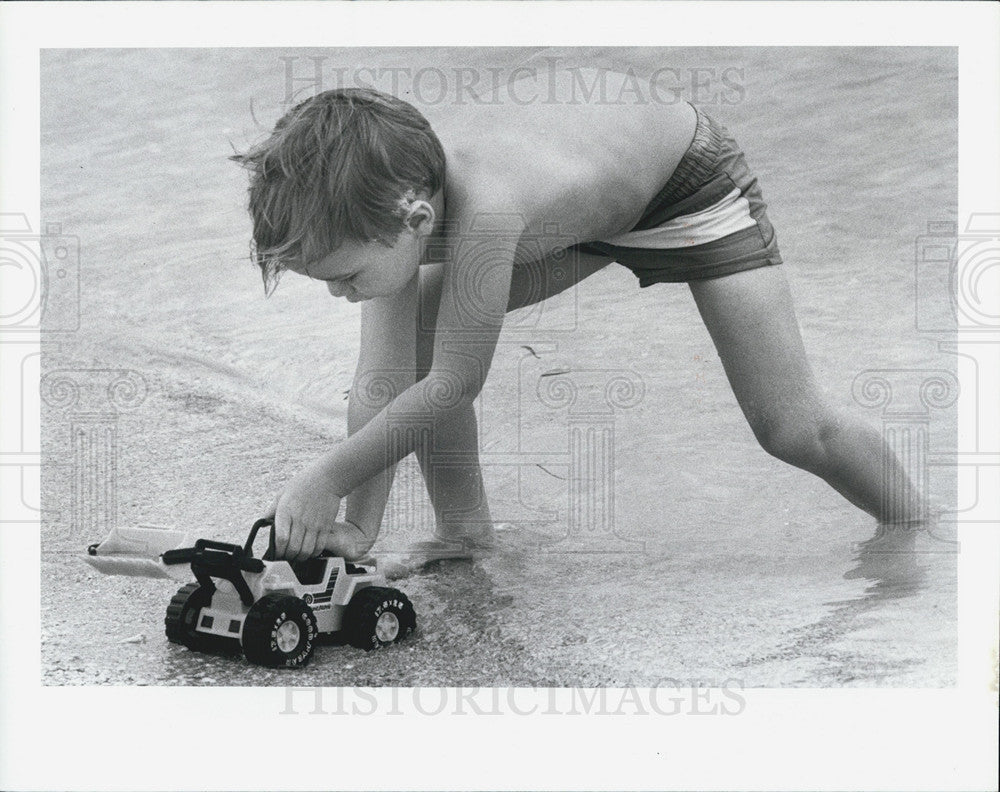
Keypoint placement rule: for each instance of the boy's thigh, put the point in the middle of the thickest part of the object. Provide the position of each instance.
(751, 318)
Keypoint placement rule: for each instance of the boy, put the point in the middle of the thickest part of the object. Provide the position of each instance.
(355, 189)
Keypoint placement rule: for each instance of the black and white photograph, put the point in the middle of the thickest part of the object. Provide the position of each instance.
(605, 381)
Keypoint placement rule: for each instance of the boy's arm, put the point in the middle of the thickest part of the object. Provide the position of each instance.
(386, 367)
(473, 303)
(421, 418)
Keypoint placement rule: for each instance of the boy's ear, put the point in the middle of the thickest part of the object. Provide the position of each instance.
(420, 218)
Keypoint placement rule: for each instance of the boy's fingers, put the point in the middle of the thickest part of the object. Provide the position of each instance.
(310, 545)
(294, 547)
(288, 550)
(330, 542)
(305, 551)
(282, 529)
(272, 510)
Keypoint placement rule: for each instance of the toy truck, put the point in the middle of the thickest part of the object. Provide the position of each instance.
(275, 610)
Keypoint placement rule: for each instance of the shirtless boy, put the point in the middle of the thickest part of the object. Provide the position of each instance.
(355, 189)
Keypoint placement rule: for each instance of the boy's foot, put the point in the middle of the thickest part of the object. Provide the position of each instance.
(419, 556)
(891, 554)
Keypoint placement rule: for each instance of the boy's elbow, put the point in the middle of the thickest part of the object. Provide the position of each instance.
(375, 389)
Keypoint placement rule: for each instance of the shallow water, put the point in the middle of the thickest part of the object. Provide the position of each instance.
(706, 560)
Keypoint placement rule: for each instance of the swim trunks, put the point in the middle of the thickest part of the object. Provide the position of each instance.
(708, 221)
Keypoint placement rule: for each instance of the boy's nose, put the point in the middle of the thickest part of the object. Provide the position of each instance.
(335, 289)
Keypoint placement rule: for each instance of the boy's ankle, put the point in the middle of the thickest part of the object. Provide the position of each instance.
(467, 536)
(926, 518)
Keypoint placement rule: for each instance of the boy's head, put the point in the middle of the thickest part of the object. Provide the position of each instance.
(342, 167)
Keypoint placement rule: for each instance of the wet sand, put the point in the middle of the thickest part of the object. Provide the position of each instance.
(723, 562)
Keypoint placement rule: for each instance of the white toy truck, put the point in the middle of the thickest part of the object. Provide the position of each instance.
(275, 610)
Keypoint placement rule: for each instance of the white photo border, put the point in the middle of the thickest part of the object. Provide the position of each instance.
(204, 738)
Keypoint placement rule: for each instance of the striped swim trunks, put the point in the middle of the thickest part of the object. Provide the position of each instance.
(708, 221)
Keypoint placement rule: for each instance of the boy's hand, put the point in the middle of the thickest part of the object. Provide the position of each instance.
(305, 519)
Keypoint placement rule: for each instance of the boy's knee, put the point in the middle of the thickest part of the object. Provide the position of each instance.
(425, 353)
(799, 439)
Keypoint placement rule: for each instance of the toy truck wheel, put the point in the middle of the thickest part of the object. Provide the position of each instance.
(182, 618)
(280, 631)
(378, 616)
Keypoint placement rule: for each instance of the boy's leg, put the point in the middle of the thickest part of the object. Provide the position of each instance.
(752, 322)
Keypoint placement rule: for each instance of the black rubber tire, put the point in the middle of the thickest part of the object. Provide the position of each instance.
(182, 616)
(260, 631)
(367, 606)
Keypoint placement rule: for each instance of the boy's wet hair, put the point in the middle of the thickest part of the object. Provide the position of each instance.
(342, 165)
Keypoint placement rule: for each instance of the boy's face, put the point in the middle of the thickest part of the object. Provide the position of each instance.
(360, 271)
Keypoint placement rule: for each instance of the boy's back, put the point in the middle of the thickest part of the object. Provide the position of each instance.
(586, 167)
